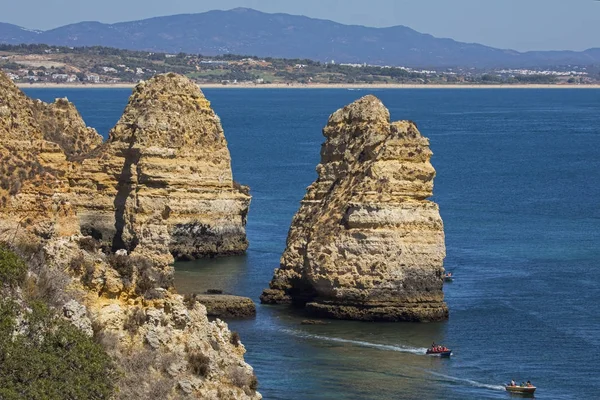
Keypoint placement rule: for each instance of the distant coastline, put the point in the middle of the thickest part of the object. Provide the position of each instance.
(314, 86)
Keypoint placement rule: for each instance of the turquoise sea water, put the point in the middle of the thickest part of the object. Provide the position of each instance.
(519, 191)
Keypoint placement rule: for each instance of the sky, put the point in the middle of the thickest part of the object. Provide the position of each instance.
(510, 24)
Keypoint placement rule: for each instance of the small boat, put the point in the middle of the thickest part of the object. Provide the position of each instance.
(448, 277)
(526, 390)
(439, 353)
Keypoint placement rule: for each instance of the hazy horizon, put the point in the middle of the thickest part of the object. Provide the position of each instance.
(507, 24)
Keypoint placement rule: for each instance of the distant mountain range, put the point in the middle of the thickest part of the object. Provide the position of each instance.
(249, 32)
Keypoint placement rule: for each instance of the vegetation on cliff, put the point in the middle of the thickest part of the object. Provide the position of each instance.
(72, 293)
(41, 355)
(12, 268)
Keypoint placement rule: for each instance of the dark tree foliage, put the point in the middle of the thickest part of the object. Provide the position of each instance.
(12, 268)
(46, 357)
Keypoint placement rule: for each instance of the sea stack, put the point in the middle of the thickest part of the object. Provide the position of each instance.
(164, 177)
(165, 165)
(366, 243)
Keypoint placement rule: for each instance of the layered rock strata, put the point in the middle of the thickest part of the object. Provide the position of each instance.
(227, 306)
(164, 345)
(54, 178)
(366, 244)
(36, 140)
(164, 177)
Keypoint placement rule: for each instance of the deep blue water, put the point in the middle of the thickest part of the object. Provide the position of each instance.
(519, 190)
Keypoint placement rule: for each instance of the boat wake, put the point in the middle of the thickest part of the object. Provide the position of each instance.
(399, 348)
(469, 382)
(403, 349)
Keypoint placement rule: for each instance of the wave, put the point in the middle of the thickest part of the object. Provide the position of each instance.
(469, 382)
(399, 348)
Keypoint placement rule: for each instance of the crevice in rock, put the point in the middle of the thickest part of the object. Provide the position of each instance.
(126, 187)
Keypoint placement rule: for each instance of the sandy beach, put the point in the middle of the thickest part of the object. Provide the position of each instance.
(310, 86)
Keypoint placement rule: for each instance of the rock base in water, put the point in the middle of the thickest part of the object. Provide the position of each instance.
(381, 313)
(366, 244)
(275, 296)
(227, 306)
(313, 322)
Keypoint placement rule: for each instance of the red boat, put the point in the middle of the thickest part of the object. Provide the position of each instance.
(439, 351)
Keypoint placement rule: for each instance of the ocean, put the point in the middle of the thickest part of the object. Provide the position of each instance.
(518, 184)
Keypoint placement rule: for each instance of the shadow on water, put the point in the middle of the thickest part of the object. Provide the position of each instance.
(213, 273)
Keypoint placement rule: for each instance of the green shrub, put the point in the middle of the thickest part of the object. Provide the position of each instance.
(123, 265)
(198, 363)
(13, 269)
(234, 339)
(253, 384)
(134, 320)
(50, 360)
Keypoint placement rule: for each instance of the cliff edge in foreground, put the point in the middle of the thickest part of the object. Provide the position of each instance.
(366, 243)
(161, 184)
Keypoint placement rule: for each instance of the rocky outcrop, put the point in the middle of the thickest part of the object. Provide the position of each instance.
(164, 182)
(62, 124)
(164, 177)
(157, 337)
(226, 306)
(366, 243)
(34, 187)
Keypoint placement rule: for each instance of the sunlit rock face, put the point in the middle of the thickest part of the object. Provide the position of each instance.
(366, 244)
(37, 140)
(164, 177)
(161, 184)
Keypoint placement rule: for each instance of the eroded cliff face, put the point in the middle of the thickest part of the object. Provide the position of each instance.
(36, 139)
(62, 124)
(165, 165)
(164, 177)
(366, 244)
(164, 344)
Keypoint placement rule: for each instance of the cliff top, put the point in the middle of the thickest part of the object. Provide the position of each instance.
(16, 116)
(22, 118)
(366, 109)
(170, 111)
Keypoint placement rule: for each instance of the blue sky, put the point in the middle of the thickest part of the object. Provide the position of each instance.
(517, 24)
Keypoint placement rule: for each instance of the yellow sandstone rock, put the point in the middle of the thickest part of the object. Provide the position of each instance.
(164, 179)
(366, 244)
(161, 184)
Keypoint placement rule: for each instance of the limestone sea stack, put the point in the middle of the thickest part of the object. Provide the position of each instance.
(366, 243)
(56, 174)
(164, 176)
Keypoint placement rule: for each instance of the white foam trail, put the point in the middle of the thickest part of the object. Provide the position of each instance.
(470, 382)
(402, 349)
